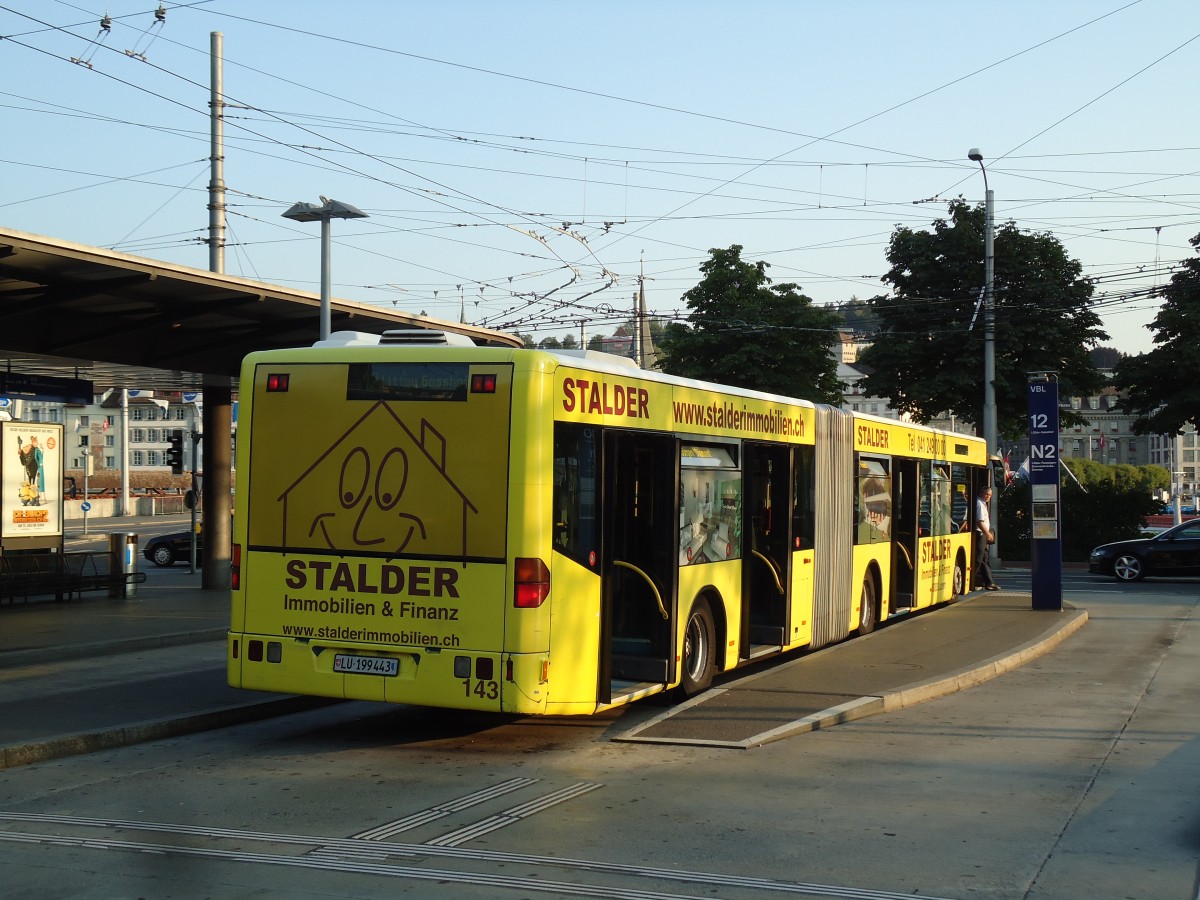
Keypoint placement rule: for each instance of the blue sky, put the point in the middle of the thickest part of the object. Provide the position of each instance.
(528, 160)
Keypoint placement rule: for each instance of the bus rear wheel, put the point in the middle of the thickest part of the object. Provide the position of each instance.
(699, 647)
(867, 611)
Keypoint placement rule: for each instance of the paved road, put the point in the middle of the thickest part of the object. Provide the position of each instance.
(1075, 775)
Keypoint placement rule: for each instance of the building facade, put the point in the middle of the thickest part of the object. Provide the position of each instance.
(98, 431)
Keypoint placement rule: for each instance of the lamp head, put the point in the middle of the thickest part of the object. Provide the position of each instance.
(303, 212)
(974, 155)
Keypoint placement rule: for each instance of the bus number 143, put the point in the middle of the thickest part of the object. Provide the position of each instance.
(484, 690)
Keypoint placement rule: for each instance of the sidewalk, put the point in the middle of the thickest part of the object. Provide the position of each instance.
(95, 673)
(909, 661)
(86, 674)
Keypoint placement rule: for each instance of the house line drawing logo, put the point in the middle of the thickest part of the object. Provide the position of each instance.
(353, 496)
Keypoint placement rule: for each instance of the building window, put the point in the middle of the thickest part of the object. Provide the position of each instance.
(180, 414)
(110, 462)
(137, 436)
(152, 458)
(137, 414)
(137, 458)
(109, 441)
(152, 436)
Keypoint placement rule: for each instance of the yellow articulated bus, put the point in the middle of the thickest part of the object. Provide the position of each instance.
(558, 533)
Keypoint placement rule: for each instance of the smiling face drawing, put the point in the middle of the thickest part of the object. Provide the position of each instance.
(367, 494)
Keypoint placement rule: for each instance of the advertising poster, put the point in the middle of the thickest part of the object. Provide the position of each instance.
(32, 479)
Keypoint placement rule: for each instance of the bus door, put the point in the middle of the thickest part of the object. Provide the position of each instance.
(766, 520)
(907, 506)
(638, 580)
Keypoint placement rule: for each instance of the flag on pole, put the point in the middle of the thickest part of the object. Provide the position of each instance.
(104, 427)
(1023, 470)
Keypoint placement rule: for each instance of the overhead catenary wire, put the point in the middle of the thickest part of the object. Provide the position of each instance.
(699, 251)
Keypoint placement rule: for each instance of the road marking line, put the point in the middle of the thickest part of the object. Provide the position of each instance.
(441, 810)
(516, 814)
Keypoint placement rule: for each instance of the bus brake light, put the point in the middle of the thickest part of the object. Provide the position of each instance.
(531, 583)
(277, 382)
(235, 570)
(483, 384)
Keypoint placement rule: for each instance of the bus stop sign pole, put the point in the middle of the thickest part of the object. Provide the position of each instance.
(1045, 486)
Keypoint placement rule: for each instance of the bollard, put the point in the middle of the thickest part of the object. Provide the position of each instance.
(122, 564)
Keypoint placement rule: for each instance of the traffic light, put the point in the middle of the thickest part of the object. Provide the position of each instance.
(175, 451)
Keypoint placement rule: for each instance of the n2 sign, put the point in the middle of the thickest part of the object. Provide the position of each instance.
(1044, 484)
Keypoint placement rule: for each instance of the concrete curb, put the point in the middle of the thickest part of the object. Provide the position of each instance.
(16, 658)
(922, 691)
(1074, 619)
(141, 732)
(885, 701)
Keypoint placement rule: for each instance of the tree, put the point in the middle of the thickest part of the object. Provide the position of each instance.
(1161, 386)
(858, 317)
(927, 357)
(744, 331)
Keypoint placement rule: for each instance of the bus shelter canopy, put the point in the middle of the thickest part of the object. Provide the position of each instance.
(74, 311)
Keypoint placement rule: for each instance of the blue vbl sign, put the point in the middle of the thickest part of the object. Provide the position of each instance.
(1044, 483)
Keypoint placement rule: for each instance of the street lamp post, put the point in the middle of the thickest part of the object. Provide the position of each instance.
(328, 210)
(989, 320)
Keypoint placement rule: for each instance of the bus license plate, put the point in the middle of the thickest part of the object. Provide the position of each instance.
(366, 665)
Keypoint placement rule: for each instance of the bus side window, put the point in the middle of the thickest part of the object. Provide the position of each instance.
(574, 500)
(804, 519)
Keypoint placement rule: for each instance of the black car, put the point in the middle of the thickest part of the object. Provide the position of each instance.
(168, 549)
(1174, 552)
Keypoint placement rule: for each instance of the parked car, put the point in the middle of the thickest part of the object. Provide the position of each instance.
(1174, 552)
(168, 549)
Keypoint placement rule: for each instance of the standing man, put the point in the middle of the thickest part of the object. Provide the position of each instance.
(984, 536)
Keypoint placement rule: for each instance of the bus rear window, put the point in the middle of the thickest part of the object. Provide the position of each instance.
(438, 381)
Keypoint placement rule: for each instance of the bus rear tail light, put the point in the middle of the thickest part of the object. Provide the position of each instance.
(235, 571)
(483, 384)
(531, 583)
(277, 382)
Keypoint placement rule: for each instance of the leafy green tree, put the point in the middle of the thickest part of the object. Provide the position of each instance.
(1162, 386)
(569, 342)
(745, 331)
(927, 357)
(1110, 503)
(527, 340)
(595, 342)
(857, 316)
(550, 343)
